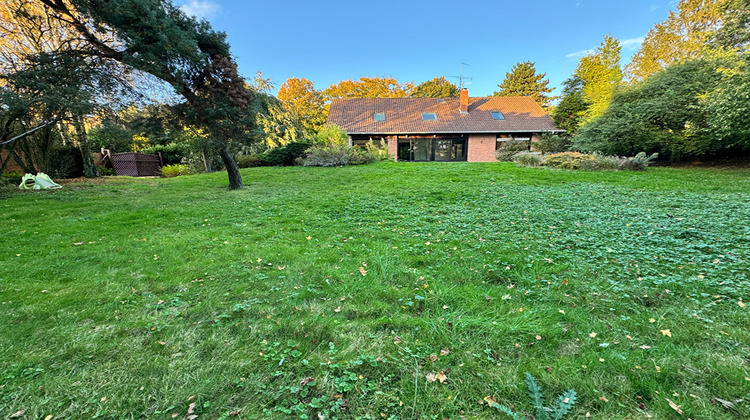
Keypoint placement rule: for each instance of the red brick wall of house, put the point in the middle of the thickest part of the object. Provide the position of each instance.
(392, 146)
(481, 148)
(534, 139)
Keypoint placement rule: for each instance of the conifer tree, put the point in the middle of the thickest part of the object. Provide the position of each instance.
(523, 80)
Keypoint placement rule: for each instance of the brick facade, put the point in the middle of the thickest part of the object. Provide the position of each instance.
(481, 148)
(392, 146)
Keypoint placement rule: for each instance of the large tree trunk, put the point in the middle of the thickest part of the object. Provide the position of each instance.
(233, 172)
(89, 170)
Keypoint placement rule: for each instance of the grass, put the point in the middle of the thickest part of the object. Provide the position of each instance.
(338, 291)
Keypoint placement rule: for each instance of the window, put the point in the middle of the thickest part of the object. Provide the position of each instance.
(429, 116)
(378, 116)
(497, 115)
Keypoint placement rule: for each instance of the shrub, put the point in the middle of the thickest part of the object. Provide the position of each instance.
(171, 153)
(331, 134)
(565, 403)
(284, 156)
(171, 171)
(104, 171)
(10, 178)
(379, 150)
(568, 160)
(509, 149)
(249, 161)
(529, 159)
(337, 155)
(65, 162)
(639, 162)
(553, 143)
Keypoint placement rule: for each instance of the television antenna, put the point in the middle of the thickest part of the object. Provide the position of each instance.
(461, 77)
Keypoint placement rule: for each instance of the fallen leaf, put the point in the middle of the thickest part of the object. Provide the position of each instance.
(603, 398)
(666, 332)
(163, 343)
(644, 347)
(49, 417)
(18, 414)
(674, 406)
(337, 309)
(742, 304)
(431, 358)
(308, 237)
(396, 340)
(561, 311)
(174, 415)
(78, 243)
(430, 377)
(658, 369)
(444, 352)
(306, 381)
(362, 271)
(490, 400)
(592, 334)
(651, 320)
(441, 377)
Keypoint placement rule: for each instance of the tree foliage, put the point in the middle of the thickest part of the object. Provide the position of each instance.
(694, 108)
(438, 87)
(600, 75)
(682, 36)
(156, 37)
(569, 112)
(735, 29)
(523, 80)
(299, 96)
(369, 87)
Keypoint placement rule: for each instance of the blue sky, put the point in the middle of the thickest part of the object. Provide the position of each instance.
(328, 41)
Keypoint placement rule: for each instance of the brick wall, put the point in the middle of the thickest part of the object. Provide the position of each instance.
(481, 148)
(392, 146)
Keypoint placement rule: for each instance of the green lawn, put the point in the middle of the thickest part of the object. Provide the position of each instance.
(336, 292)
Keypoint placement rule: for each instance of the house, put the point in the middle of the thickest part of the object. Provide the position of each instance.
(442, 129)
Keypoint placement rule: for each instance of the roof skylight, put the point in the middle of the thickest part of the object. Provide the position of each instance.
(497, 115)
(429, 116)
(378, 116)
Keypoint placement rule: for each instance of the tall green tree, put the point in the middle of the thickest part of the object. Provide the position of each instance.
(735, 30)
(568, 114)
(156, 37)
(438, 87)
(601, 75)
(300, 97)
(690, 109)
(682, 36)
(523, 80)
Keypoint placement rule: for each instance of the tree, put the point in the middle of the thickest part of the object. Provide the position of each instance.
(568, 113)
(601, 75)
(156, 37)
(438, 87)
(683, 35)
(735, 31)
(369, 87)
(673, 112)
(300, 97)
(523, 80)
(274, 125)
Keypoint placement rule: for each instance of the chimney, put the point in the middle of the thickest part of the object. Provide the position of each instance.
(464, 101)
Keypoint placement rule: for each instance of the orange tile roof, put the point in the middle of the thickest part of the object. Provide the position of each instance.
(404, 115)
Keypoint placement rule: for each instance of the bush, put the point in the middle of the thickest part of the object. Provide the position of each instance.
(331, 134)
(529, 159)
(337, 155)
(171, 171)
(171, 153)
(639, 162)
(10, 178)
(509, 149)
(284, 156)
(568, 160)
(104, 171)
(249, 161)
(379, 150)
(65, 162)
(553, 143)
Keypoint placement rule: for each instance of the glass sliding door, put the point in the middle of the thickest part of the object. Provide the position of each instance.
(431, 149)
